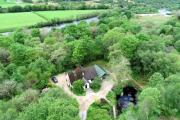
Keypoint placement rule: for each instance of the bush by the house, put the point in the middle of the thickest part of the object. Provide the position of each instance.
(78, 87)
(96, 84)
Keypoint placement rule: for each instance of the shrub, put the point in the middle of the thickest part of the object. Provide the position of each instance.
(8, 89)
(78, 87)
(177, 45)
(96, 84)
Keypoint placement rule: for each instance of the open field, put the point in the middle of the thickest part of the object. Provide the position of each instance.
(16, 20)
(151, 21)
(4, 5)
(11, 3)
(11, 21)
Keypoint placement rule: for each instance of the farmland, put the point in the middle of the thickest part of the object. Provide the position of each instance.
(11, 21)
(11, 3)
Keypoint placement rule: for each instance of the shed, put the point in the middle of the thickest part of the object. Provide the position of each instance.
(100, 72)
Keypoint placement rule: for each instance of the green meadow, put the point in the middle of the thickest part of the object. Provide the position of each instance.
(150, 22)
(10, 3)
(10, 21)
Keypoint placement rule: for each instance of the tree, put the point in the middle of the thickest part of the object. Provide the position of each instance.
(20, 102)
(149, 104)
(112, 37)
(19, 36)
(80, 52)
(32, 42)
(5, 42)
(22, 55)
(4, 56)
(177, 45)
(151, 57)
(3, 73)
(8, 89)
(84, 50)
(131, 27)
(43, 69)
(155, 79)
(63, 110)
(78, 87)
(77, 31)
(60, 57)
(53, 105)
(50, 40)
(128, 45)
(171, 95)
(95, 114)
(99, 110)
(35, 32)
(96, 84)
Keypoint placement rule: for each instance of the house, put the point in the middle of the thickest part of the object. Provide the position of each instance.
(86, 74)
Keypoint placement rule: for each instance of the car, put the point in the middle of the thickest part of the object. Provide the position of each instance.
(54, 79)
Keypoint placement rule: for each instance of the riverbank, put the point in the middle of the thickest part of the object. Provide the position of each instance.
(12, 21)
(47, 29)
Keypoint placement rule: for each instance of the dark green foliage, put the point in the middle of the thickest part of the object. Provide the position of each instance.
(35, 33)
(45, 7)
(22, 55)
(77, 87)
(43, 70)
(151, 57)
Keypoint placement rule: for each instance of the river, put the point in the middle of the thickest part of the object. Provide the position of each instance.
(163, 12)
(46, 30)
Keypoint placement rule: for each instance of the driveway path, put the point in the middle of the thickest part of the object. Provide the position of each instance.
(89, 98)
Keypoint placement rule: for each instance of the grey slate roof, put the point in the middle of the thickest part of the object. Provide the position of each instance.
(89, 73)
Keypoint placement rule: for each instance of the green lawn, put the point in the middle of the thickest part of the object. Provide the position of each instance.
(16, 20)
(11, 3)
(4, 5)
(10, 21)
(65, 14)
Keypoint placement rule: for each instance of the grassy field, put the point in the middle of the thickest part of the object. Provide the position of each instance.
(10, 21)
(151, 22)
(16, 20)
(11, 3)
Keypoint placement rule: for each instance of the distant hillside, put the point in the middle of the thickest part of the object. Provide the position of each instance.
(171, 4)
(8, 1)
